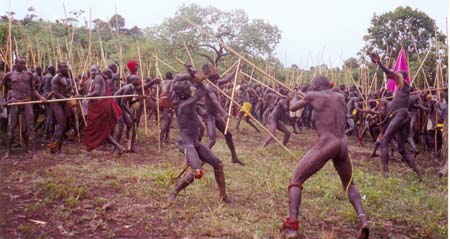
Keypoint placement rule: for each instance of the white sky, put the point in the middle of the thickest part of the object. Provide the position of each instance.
(309, 27)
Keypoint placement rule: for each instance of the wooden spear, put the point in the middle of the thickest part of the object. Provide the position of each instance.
(143, 90)
(236, 76)
(157, 105)
(74, 98)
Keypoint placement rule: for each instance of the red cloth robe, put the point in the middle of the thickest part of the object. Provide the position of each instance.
(103, 115)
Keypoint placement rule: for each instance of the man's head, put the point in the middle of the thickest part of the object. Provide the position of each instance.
(403, 73)
(113, 67)
(94, 70)
(210, 71)
(20, 64)
(182, 89)
(320, 83)
(134, 80)
(51, 69)
(63, 69)
(38, 70)
(133, 66)
(169, 75)
(107, 72)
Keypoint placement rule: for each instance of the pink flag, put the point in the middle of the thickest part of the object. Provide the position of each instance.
(400, 65)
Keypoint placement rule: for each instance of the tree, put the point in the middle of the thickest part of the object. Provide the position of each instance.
(351, 63)
(408, 28)
(117, 22)
(402, 27)
(255, 37)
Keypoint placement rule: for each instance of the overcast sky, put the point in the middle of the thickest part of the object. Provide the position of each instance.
(309, 27)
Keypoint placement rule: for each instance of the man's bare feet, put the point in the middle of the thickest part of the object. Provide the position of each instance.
(6, 156)
(235, 160)
(363, 231)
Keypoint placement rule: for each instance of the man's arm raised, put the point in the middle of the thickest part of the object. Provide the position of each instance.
(390, 74)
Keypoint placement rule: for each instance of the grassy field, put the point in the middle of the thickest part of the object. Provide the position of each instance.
(112, 197)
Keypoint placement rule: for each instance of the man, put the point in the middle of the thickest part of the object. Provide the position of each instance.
(165, 105)
(61, 88)
(213, 108)
(128, 118)
(415, 104)
(352, 106)
(114, 80)
(23, 90)
(103, 114)
(246, 110)
(397, 125)
(329, 108)
(49, 127)
(196, 153)
(275, 121)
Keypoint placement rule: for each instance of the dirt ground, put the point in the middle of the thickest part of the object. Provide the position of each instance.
(125, 197)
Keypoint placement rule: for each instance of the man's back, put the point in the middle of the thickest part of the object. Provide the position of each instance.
(329, 109)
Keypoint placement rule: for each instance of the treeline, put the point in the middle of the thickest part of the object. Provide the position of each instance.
(81, 40)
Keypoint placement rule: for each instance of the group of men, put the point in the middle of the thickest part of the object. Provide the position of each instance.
(111, 104)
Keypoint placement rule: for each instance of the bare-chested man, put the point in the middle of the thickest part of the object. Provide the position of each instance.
(275, 121)
(214, 108)
(246, 110)
(49, 127)
(165, 106)
(23, 89)
(127, 117)
(397, 125)
(196, 153)
(61, 88)
(329, 108)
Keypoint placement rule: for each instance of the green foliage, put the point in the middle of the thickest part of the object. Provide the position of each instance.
(411, 29)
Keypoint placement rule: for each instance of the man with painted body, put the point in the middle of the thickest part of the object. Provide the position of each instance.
(275, 121)
(213, 109)
(23, 90)
(397, 125)
(61, 88)
(185, 104)
(329, 108)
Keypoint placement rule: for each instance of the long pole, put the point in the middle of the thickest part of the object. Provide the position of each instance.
(74, 98)
(157, 104)
(236, 76)
(142, 85)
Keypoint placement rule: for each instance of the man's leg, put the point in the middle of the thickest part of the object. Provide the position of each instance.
(29, 125)
(344, 169)
(211, 130)
(394, 125)
(312, 162)
(400, 138)
(60, 120)
(281, 127)
(220, 124)
(247, 119)
(194, 162)
(273, 130)
(12, 125)
(206, 155)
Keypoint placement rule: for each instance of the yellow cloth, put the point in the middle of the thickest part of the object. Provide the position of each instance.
(246, 108)
(354, 112)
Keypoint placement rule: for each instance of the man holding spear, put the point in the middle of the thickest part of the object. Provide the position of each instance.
(23, 90)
